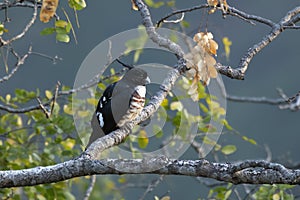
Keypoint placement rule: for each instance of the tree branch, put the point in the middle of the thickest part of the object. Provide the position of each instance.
(95, 80)
(90, 188)
(20, 61)
(288, 21)
(20, 35)
(292, 103)
(153, 35)
(252, 171)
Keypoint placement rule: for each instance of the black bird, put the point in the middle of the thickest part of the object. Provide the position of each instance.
(120, 103)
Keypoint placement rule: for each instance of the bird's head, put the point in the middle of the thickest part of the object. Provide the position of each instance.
(137, 76)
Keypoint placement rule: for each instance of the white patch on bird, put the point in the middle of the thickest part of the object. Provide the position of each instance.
(104, 98)
(100, 118)
(141, 90)
(101, 105)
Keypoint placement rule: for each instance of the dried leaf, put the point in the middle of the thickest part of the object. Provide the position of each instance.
(134, 6)
(48, 10)
(212, 47)
(198, 37)
(200, 62)
(212, 71)
(212, 2)
(224, 5)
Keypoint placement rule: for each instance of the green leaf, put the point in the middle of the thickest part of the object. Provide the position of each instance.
(2, 29)
(62, 38)
(227, 194)
(60, 30)
(203, 108)
(226, 124)
(152, 4)
(252, 141)
(61, 23)
(101, 86)
(137, 44)
(171, 3)
(77, 4)
(47, 31)
(228, 149)
(185, 24)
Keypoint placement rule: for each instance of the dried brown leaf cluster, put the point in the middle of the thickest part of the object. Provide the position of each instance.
(201, 62)
(223, 5)
(48, 10)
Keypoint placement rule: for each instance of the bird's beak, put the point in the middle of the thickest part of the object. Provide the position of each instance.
(148, 80)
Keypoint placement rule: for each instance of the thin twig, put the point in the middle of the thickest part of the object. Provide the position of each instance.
(27, 27)
(43, 108)
(54, 97)
(152, 186)
(176, 21)
(180, 12)
(4, 135)
(90, 188)
(87, 85)
(20, 61)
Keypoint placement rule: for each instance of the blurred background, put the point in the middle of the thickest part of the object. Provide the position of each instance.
(276, 66)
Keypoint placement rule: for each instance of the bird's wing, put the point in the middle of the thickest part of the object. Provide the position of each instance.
(97, 131)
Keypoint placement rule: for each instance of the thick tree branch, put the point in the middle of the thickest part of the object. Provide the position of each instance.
(252, 172)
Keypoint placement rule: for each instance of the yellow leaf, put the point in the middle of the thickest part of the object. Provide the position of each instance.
(48, 94)
(48, 10)
(19, 121)
(164, 103)
(7, 98)
(68, 110)
(83, 113)
(10, 141)
(143, 139)
(176, 105)
(227, 43)
(122, 179)
(68, 144)
(110, 185)
(92, 101)
(276, 196)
